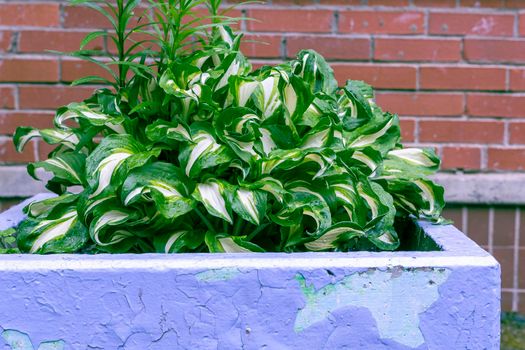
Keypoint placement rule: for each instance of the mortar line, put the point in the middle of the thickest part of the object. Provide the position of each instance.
(464, 220)
(517, 222)
(491, 230)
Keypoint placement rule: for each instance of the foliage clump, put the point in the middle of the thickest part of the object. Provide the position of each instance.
(193, 150)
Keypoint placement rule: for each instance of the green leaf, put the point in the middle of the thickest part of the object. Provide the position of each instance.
(60, 232)
(213, 195)
(161, 183)
(221, 243)
(67, 168)
(23, 134)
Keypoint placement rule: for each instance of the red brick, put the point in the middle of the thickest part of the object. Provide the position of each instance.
(40, 41)
(514, 4)
(261, 46)
(435, 3)
(408, 128)
(390, 3)
(28, 70)
(462, 78)
(341, 2)
(44, 149)
(27, 14)
(495, 50)
(424, 104)
(517, 79)
(9, 155)
(464, 131)
(7, 97)
(512, 159)
(517, 132)
(84, 17)
(455, 23)
(495, 105)
(9, 121)
(306, 21)
(435, 50)
(467, 158)
(522, 24)
(51, 97)
(75, 69)
(482, 3)
(330, 47)
(378, 22)
(5, 40)
(378, 75)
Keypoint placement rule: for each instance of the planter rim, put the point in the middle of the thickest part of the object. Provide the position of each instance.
(457, 250)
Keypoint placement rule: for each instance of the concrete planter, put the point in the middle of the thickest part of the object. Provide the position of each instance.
(446, 299)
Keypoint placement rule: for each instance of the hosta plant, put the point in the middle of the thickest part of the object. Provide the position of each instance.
(191, 149)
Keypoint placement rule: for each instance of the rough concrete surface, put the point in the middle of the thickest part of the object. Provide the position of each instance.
(402, 300)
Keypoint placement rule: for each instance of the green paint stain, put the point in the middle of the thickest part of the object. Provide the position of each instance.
(20, 341)
(395, 300)
(223, 274)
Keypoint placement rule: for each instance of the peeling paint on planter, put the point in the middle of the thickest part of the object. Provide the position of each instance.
(20, 341)
(404, 300)
(394, 298)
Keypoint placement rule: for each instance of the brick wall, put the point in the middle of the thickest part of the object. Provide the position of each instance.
(454, 70)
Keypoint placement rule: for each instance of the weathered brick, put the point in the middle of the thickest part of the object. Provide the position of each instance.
(382, 22)
(51, 97)
(517, 133)
(380, 76)
(9, 155)
(423, 104)
(28, 70)
(330, 47)
(30, 14)
(482, 3)
(390, 3)
(457, 23)
(408, 128)
(40, 41)
(6, 38)
(435, 3)
(286, 20)
(462, 78)
(404, 49)
(461, 157)
(492, 50)
(463, 131)
(511, 159)
(10, 120)
(75, 69)
(495, 105)
(517, 79)
(262, 46)
(7, 97)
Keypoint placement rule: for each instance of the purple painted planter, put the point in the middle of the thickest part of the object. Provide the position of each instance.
(448, 299)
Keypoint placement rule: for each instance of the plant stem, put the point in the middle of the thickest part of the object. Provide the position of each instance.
(205, 220)
(256, 231)
(237, 227)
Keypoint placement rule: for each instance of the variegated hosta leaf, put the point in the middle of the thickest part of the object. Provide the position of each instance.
(314, 161)
(204, 152)
(67, 168)
(419, 197)
(103, 165)
(59, 232)
(67, 138)
(242, 89)
(178, 241)
(162, 183)
(233, 65)
(343, 232)
(90, 113)
(238, 128)
(296, 97)
(267, 96)
(270, 185)
(37, 208)
(165, 132)
(214, 196)
(409, 163)
(382, 135)
(249, 204)
(314, 70)
(222, 243)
